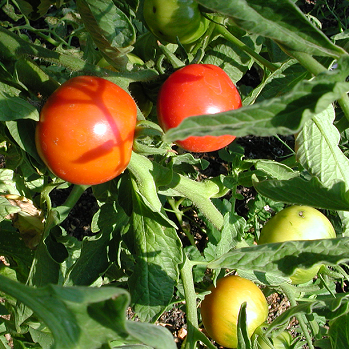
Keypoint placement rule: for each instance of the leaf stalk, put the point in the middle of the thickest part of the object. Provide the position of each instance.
(234, 40)
(186, 271)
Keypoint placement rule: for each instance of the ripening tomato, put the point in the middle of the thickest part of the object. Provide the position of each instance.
(220, 309)
(197, 89)
(172, 19)
(86, 129)
(298, 223)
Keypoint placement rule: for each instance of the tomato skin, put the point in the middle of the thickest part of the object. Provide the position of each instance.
(86, 129)
(197, 89)
(220, 309)
(171, 18)
(298, 223)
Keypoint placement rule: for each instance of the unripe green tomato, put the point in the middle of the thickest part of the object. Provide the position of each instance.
(298, 223)
(281, 341)
(220, 309)
(168, 19)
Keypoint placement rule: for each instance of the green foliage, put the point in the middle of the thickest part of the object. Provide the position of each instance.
(174, 222)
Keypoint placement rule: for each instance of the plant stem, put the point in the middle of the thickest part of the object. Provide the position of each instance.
(59, 214)
(190, 302)
(234, 40)
(344, 104)
(308, 62)
(287, 289)
(179, 215)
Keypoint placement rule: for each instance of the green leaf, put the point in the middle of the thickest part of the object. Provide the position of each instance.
(222, 241)
(339, 333)
(153, 336)
(85, 317)
(42, 336)
(244, 341)
(34, 9)
(280, 115)
(36, 80)
(23, 132)
(14, 108)
(280, 20)
(326, 306)
(280, 259)
(233, 60)
(93, 260)
(109, 27)
(317, 145)
(305, 192)
(6, 208)
(279, 82)
(13, 248)
(151, 177)
(142, 170)
(156, 250)
(276, 169)
(44, 269)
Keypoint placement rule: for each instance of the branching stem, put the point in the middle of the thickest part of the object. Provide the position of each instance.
(234, 40)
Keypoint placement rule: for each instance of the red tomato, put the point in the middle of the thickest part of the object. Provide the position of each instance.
(86, 128)
(197, 89)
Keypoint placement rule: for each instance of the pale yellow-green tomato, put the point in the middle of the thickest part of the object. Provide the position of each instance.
(298, 223)
(220, 309)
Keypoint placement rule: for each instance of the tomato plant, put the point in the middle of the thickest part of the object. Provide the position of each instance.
(85, 132)
(85, 251)
(220, 309)
(298, 223)
(175, 19)
(194, 90)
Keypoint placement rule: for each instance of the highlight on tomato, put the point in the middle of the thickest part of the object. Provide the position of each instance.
(197, 89)
(298, 223)
(220, 309)
(86, 130)
(172, 19)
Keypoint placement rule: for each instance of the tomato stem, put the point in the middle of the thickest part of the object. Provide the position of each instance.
(234, 40)
(186, 271)
(179, 215)
(63, 210)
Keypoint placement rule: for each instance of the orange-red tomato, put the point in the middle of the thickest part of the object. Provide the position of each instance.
(197, 89)
(220, 309)
(86, 129)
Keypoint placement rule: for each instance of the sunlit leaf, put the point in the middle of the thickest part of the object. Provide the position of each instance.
(305, 192)
(280, 259)
(280, 115)
(281, 21)
(85, 317)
